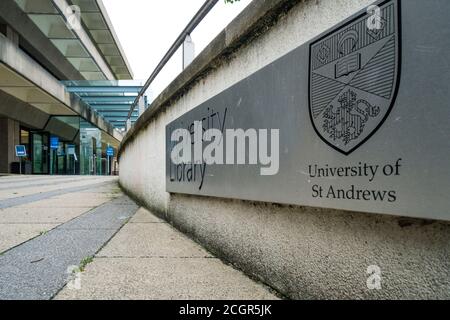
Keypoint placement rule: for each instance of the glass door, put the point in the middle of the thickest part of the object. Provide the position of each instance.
(45, 153)
(40, 153)
(94, 157)
(61, 159)
(37, 153)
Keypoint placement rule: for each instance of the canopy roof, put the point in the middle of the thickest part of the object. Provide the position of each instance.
(94, 50)
(111, 99)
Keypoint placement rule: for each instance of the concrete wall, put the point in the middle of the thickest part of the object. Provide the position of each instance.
(36, 43)
(303, 252)
(9, 138)
(23, 66)
(15, 109)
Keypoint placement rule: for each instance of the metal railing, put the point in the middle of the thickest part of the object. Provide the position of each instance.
(199, 16)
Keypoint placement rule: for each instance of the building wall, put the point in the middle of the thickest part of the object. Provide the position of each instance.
(9, 138)
(4, 145)
(303, 252)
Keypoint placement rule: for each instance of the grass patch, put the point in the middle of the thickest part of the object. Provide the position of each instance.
(85, 262)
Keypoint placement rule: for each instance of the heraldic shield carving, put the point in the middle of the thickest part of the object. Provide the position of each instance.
(354, 72)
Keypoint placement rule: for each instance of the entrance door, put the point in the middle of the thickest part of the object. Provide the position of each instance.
(94, 157)
(61, 159)
(40, 155)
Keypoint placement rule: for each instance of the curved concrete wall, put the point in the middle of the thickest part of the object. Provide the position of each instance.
(302, 252)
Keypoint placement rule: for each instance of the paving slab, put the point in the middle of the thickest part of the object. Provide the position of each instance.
(114, 188)
(145, 216)
(16, 201)
(37, 269)
(52, 228)
(148, 259)
(151, 240)
(14, 234)
(111, 215)
(21, 178)
(36, 183)
(40, 215)
(164, 279)
(66, 203)
(86, 196)
(13, 192)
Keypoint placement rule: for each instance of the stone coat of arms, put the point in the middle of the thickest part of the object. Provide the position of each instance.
(354, 72)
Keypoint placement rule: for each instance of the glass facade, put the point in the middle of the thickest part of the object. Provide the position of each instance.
(111, 99)
(90, 149)
(40, 152)
(93, 147)
(69, 145)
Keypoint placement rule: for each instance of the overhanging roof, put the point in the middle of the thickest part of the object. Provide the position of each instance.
(21, 77)
(111, 99)
(97, 21)
(94, 50)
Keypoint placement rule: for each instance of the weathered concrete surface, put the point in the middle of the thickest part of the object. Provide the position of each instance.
(52, 190)
(311, 253)
(13, 234)
(67, 202)
(44, 233)
(306, 253)
(278, 33)
(244, 28)
(39, 181)
(148, 259)
(33, 205)
(151, 240)
(165, 279)
(143, 216)
(29, 215)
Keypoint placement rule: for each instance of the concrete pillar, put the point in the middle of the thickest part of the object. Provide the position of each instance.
(188, 51)
(4, 150)
(9, 138)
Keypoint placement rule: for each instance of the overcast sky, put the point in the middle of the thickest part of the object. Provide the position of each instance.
(147, 29)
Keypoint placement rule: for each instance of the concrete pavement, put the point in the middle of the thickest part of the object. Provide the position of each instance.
(27, 212)
(51, 229)
(49, 225)
(169, 279)
(148, 259)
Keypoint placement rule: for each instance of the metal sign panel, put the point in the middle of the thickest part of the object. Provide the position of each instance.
(21, 151)
(362, 117)
(110, 152)
(54, 143)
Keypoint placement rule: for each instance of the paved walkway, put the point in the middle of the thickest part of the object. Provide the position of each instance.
(50, 225)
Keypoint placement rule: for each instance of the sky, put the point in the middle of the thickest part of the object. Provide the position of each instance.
(147, 28)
